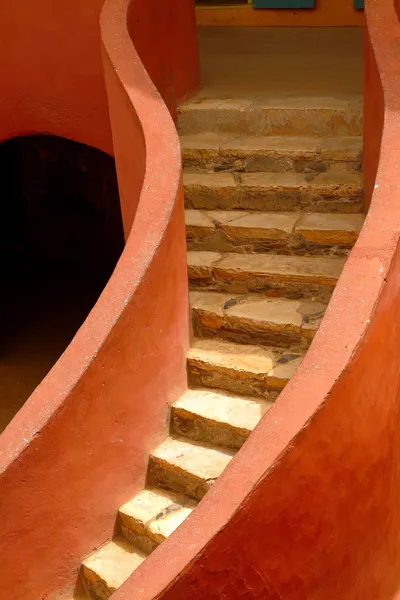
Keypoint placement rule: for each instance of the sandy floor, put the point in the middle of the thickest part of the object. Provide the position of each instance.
(254, 62)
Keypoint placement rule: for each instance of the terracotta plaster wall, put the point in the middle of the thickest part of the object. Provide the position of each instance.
(79, 447)
(51, 68)
(170, 53)
(51, 71)
(309, 508)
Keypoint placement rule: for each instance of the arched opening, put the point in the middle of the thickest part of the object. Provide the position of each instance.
(60, 237)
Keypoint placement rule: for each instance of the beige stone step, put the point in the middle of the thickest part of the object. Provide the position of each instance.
(151, 516)
(317, 116)
(216, 152)
(256, 319)
(241, 368)
(278, 275)
(333, 191)
(187, 467)
(295, 233)
(216, 417)
(108, 568)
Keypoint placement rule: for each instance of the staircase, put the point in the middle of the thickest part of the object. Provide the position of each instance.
(274, 198)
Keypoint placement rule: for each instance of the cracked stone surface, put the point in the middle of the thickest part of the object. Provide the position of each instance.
(256, 318)
(334, 191)
(108, 568)
(217, 417)
(187, 467)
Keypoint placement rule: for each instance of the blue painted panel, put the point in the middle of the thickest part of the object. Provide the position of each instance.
(284, 3)
(359, 4)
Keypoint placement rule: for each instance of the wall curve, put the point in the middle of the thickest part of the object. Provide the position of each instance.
(79, 447)
(308, 508)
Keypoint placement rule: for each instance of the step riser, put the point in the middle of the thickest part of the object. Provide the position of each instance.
(247, 198)
(161, 475)
(219, 280)
(200, 430)
(94, 587)
(200, 239)
(143, 542)
(231, 330)
(231, 381)
(252, 163)
(271, 121)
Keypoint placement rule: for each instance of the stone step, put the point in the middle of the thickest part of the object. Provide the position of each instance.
(108, 568)
(325, 192)
(241, 368)
(287, 232)
(277, 154)
(151, 516)
(277, 275)
(256, 319)
(216, 417)
(187, 467)
(326, 117)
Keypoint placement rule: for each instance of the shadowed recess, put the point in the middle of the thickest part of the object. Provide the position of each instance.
(61, 236)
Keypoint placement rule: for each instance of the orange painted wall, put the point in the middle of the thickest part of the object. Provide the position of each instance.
(309, 508)
(50, 66)
(328, 13)
(79, 447)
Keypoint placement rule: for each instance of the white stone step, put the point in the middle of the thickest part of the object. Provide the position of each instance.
(108, 568)
(217, 417)
(151, 516)
(187, 467)
(243, 369)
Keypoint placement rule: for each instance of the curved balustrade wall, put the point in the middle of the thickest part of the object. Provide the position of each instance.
(309, 507)
(80, 445)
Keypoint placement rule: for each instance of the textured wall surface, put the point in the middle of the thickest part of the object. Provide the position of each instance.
(79, 447)
(309, 508)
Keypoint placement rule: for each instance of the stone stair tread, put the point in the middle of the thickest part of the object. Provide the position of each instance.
(274, 101)
(111, 566)
(232, 356)
(326, 228)
(318, 228)
(323, 270)
(156, 513)
(277, 181)
(241, 224)
(301, 181)
(280, 115)
(337, 182)
(300, 147)
(222, 180)
(238, 412)
(202, 461)
(244, 363)
(342, 184)
(283, 372)
(275, 313)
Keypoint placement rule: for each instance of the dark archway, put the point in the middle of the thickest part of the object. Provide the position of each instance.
(60, 237)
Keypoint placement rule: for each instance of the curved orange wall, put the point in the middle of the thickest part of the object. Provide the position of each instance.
(309, 508)
(79, 447)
